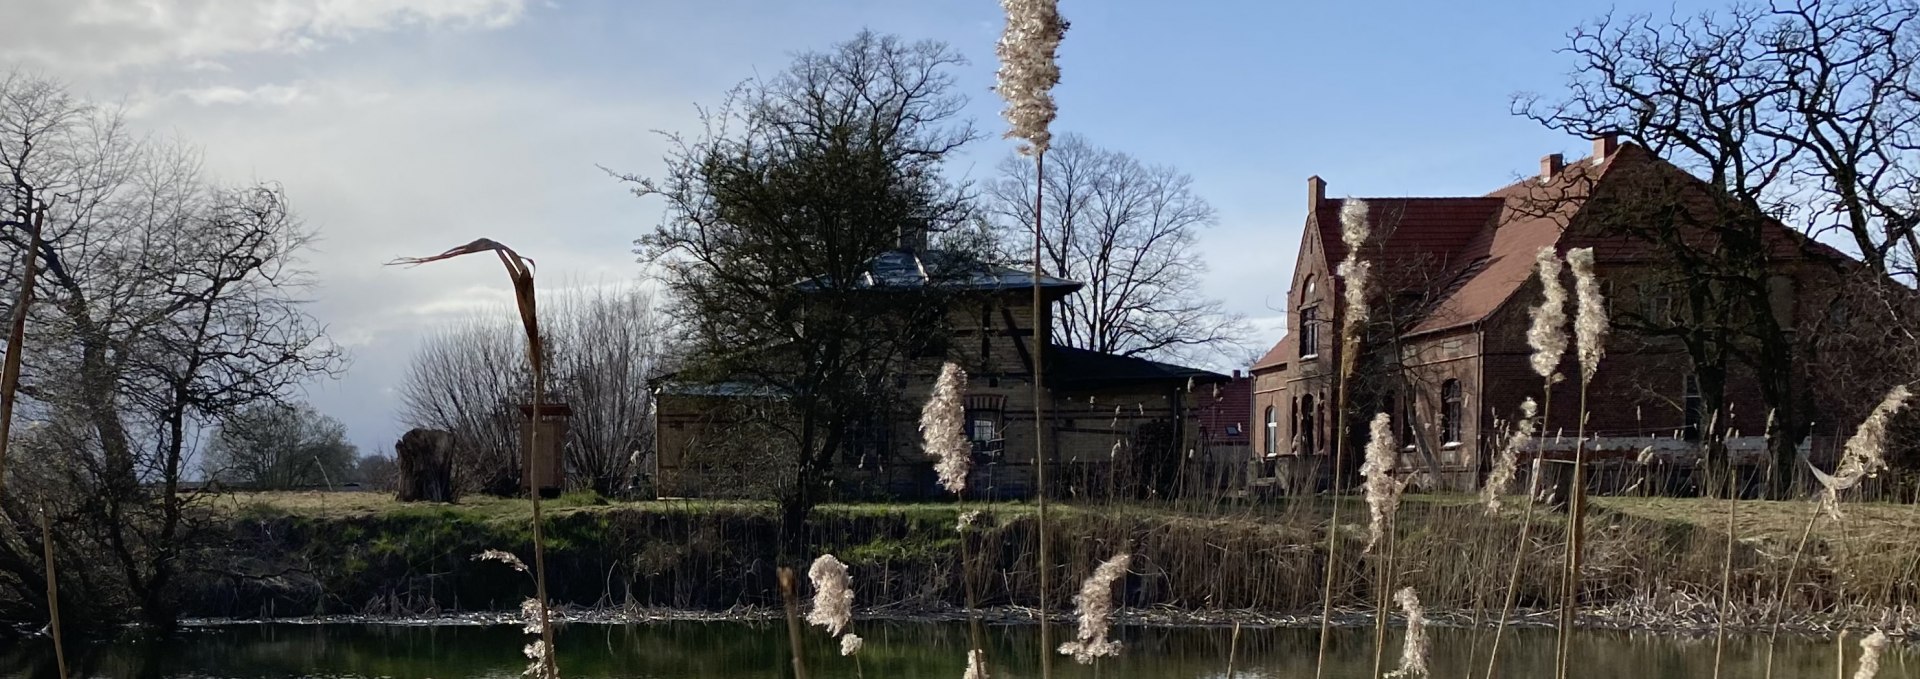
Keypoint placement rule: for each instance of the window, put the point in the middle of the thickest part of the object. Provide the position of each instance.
(1451, 411)
(1273, 432)
(981, 430)
(1658, 303)
(1691, 402)
(1306, 426)
(1309, 332)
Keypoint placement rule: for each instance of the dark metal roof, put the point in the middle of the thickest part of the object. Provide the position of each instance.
(1071, 368)
(906, 268)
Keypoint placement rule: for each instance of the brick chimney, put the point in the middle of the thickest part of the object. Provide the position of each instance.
(1604, 146)
(1316, 192)
(1551, 165)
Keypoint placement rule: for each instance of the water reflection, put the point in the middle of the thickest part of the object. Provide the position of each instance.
(894, 650)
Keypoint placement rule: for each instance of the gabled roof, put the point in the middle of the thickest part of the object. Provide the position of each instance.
(908, 268)
(1281, 352)
(1071, 368)
(1404, 228)
(1499, 259)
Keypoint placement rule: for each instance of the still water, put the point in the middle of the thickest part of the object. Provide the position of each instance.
(894, 650)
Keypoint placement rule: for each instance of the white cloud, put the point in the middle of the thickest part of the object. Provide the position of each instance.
(108, 35)
(274, 95)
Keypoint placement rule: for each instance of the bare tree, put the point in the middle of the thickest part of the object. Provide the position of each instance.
(1802, 113)
(603, 342)
(169, 304)
(1127, 230)
(467, 379)
(275, 445)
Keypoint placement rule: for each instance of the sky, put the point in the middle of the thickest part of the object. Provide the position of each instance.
(404, 127)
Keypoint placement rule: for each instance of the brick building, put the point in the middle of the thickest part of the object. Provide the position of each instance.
(1116, 424)
(1453, 285)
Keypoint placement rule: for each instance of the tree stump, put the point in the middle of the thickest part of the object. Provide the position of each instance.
(425, 457)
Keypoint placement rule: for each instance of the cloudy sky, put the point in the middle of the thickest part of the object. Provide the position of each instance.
(401, 127)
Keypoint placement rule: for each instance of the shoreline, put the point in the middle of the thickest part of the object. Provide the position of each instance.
(1602, 620)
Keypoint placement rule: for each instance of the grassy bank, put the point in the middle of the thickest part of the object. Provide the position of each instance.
(1652, 558)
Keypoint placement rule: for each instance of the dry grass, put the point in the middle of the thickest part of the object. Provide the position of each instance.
(1868, 524)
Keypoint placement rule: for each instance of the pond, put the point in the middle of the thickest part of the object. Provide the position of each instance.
(895, 650)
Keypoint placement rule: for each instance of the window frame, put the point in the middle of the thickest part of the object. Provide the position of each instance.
(1452, 412)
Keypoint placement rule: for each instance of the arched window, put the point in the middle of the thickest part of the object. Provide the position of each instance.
(1306, 425)
(1273, 432)
(1451, 411)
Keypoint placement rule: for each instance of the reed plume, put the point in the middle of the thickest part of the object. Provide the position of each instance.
(1864, 454)
(1029, 70)
(1095, 606)
(851, 644)
(943, 428)
(1354, 231)
(1508, 461)
(1548, 333)
(1590, 326)
(832, 595)
(1383, 496)
(1870, 649)
(1414, 651)
(976, 665)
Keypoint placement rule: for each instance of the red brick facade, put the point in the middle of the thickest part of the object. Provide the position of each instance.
(1455, 364)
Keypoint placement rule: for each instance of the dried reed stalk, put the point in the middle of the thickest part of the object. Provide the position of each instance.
(1354, 232)
(520, 270)
(53, 594)
(16, 342)
(793, 622)
(1591, 328)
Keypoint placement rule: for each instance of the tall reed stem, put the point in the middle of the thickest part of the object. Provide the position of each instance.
(1384, 597)
(53, 594)
(793, 622)
(1570, 593)
(16, 341)
(534, 487)
(1233, 647)
(1780, 602)
(1333, 518)
(1526, 527)
(1040, 334)
(1726, 583)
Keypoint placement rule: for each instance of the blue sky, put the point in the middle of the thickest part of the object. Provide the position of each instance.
(406, 126)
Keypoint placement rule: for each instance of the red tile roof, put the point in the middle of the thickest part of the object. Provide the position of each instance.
(1488, 243)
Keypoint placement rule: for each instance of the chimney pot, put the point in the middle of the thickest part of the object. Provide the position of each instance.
(1604, 146)
(1316, 192)
(1551, 165)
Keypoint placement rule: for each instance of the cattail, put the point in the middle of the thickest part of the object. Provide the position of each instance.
(943, 428)
(1383, 495)
(1870, 649)
(1548, 334)
(832, 595)
(851, 643)
(1590, 323)
(1509, 459)
(1028, 71)
(976, 665)
(1095, 606)
(1865, 452)
(1413, 652)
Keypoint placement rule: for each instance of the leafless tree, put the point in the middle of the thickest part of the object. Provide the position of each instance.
(280, 445)
(168, 305)
(1128, 230)
(1803, 112)
(603, 342)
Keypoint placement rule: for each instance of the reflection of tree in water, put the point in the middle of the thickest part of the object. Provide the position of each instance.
(898, 650)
